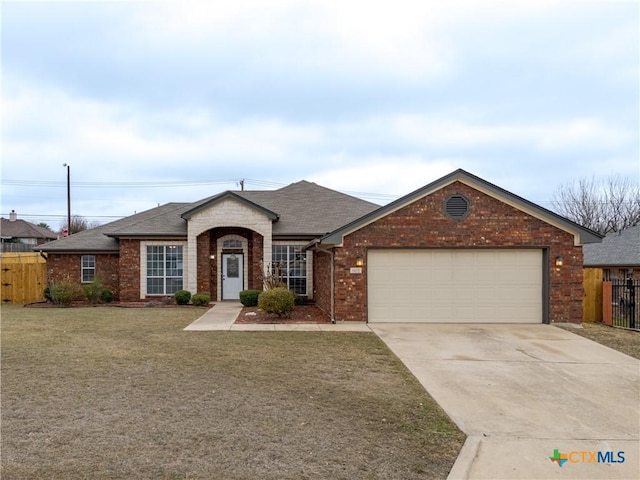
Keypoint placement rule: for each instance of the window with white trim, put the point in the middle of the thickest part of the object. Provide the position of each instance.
(164, 269)
(88, 268)
(292, 262)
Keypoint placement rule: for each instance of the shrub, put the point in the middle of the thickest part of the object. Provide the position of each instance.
(249, 298)
(93, 290)
(182, 297)
(47, 293)
(300, 299)
(106, 295)
(277, 300)
(201, 299)
(65, 292)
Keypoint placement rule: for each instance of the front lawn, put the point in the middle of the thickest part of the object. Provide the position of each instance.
(124, 393)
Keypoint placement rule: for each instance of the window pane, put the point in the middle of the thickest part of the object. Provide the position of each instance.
(164, 269)
(293, 262)
(88, 268)
(173, 285)
(234, 243)
(155, 286)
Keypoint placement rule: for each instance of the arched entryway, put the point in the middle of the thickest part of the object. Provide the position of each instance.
(229, 261)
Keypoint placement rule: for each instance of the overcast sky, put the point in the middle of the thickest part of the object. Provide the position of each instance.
(153, 102)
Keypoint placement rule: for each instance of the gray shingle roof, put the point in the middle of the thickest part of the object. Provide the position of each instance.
(303, 209)
(617, 249)
(306, 208)
(23, 229)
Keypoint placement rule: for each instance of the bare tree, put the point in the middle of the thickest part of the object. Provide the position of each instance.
(78, 224)
(603, 206)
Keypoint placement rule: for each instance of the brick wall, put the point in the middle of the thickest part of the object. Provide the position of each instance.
(322, 280)
(129, 266)
(490, 223)
(204, 264)
(69, 267)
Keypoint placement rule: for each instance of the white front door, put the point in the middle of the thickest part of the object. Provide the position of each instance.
(232, 275)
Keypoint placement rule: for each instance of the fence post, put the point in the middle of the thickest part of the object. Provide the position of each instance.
(607, 307)
(632, 303)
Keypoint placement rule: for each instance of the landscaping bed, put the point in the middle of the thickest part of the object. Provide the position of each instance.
(300, 314)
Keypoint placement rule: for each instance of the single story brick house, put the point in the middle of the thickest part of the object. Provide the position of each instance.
(459, 249)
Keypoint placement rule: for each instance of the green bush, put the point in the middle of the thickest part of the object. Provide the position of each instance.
(65, 292)
(93, 290)
(106, 296)
(201, 299)
(47, 293)
(277, 300)
(249, 298)
(182, 297)
(300, 299)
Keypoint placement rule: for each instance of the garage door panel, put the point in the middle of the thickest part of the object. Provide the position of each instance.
(495, 285)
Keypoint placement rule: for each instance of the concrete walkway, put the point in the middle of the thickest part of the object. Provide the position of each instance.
(523, 392)
(223, 315)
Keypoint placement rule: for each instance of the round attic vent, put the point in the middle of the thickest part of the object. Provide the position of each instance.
(457, 207)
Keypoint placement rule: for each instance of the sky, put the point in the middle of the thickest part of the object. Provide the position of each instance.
(154, 102)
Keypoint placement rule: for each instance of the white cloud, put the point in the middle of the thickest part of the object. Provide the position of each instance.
(393, 175)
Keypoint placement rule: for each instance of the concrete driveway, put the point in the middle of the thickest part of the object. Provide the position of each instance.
(521, 392)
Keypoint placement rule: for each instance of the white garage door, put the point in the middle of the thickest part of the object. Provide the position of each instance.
(489, 286)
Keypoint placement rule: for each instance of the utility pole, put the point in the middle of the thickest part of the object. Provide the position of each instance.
(68, 199)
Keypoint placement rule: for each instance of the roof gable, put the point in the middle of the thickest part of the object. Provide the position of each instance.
(210, 202)
(581, 234)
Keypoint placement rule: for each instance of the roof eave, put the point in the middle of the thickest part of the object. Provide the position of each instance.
(146, 235)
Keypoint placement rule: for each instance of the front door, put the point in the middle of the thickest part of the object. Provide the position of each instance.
(232, 273)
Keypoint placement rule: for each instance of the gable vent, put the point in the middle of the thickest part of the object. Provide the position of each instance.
(457, 207)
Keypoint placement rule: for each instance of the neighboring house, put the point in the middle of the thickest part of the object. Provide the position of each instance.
(459, 249)
(20, 235)
(618, 255)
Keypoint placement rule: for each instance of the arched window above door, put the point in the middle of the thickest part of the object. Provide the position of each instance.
(232, 243)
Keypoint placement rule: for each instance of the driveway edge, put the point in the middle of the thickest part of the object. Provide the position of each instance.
(466, 457)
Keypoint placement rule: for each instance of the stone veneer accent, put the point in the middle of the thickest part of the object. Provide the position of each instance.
(226, 213)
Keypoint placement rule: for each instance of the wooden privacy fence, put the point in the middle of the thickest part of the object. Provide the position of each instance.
(23, 277)
(592, 300)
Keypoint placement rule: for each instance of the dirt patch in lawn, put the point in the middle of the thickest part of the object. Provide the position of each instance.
(300, 314)
(625, 341)
(126, 393)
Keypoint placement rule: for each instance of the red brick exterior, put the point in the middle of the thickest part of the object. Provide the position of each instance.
(129, 270)
(489, 224)
(322, 281)
(69, 268)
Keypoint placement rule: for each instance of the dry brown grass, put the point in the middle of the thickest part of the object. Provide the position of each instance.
(125, 393)
(625, 341)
